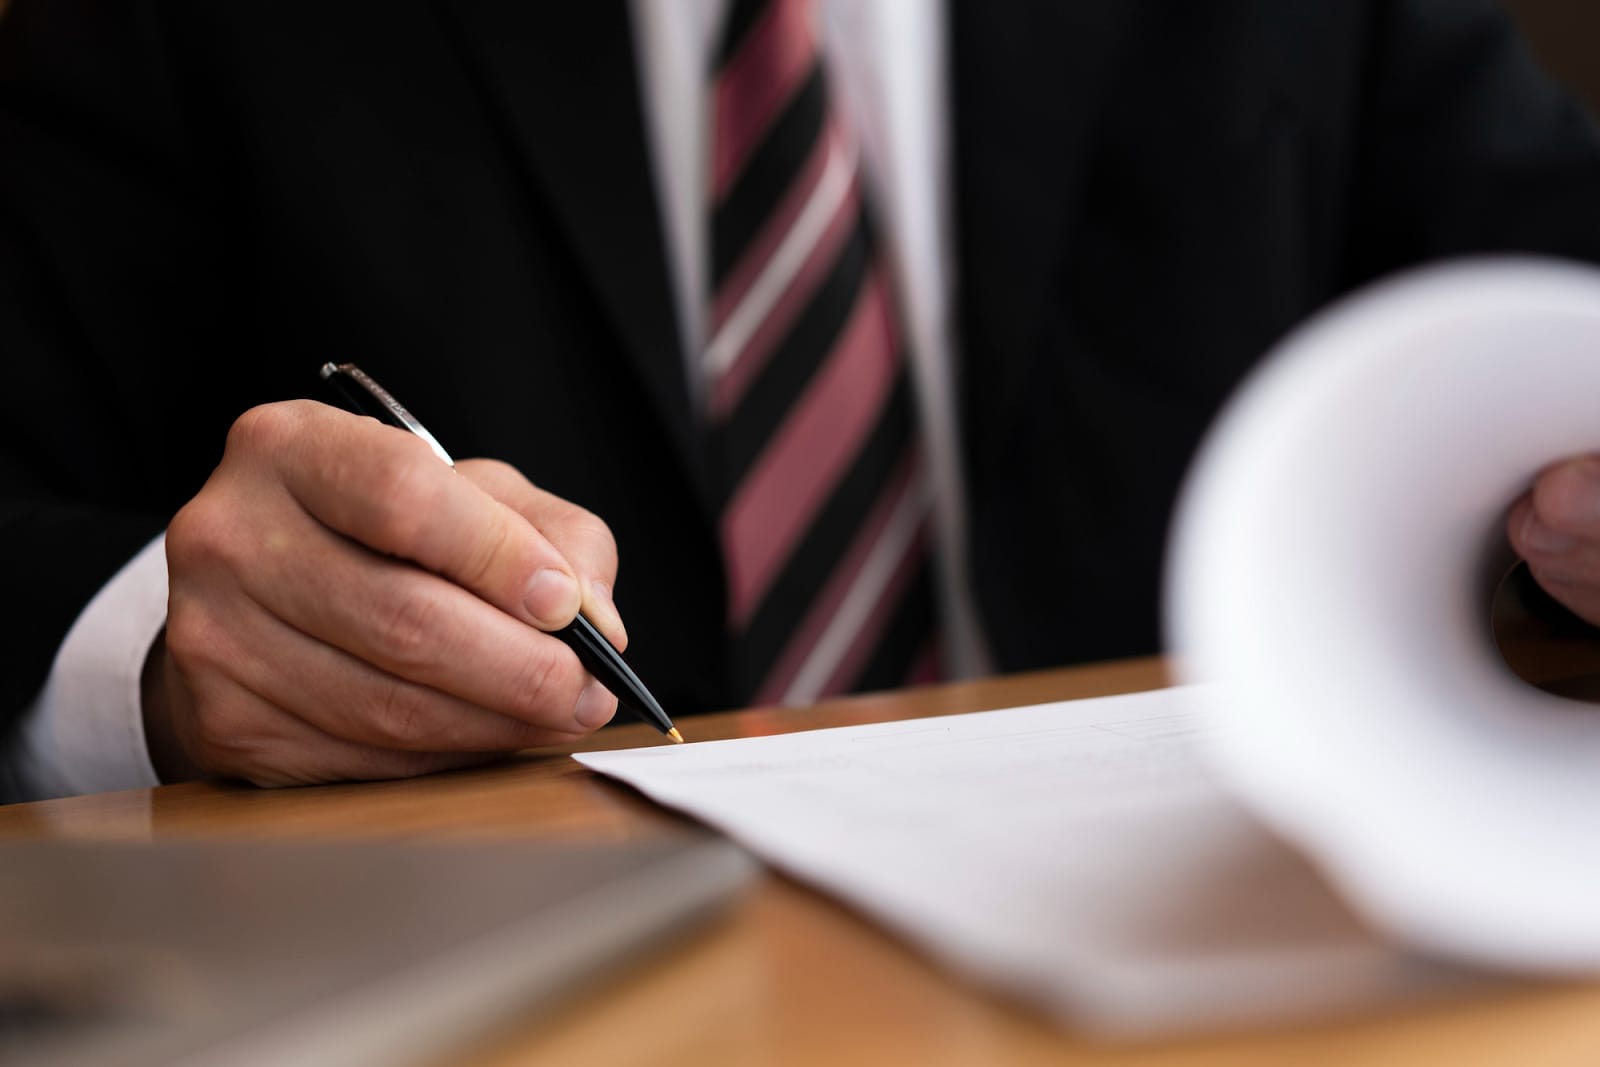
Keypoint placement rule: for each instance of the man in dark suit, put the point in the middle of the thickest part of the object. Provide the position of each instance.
(200, 203)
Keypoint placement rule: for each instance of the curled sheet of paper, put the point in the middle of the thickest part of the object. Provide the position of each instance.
(1331, 568)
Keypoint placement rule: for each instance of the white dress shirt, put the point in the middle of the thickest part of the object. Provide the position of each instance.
(85, 733)
(886, 64)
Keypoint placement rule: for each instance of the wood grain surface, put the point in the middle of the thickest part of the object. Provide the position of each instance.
(789, 977)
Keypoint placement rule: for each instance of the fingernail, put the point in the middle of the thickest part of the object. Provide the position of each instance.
(551, 597)
(604, 605)
(1542, 539)
(595, 706)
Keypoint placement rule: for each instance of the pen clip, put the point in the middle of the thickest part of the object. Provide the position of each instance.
(341, 375)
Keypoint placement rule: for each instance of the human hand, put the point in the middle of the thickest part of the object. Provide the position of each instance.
(342, 605)
(1555, 526)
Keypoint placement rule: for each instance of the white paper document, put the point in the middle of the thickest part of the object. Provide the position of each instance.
(1333, 572)
(1078, 855)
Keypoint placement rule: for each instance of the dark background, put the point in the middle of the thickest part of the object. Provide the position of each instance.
(1566, 35)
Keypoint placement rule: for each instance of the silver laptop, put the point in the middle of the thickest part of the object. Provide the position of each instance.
(253, 953)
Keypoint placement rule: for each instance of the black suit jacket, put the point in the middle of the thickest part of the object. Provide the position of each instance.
(200, 202)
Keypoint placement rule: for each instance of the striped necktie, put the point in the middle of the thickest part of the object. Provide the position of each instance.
(825, 501)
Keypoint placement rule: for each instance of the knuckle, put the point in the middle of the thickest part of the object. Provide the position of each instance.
(402, 717)
(593, 536)
(393, 475)
(592, 529)
(547, 682)
(265, 427)
(199, 536)
(184, 640)
(195, 640)
(405, 637)
(492, 543)
(228, 735)
(402, 494)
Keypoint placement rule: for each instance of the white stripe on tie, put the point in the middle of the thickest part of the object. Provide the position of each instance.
(780, 270)
(887, 555)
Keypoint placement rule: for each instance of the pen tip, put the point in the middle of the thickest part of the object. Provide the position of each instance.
(675, 735)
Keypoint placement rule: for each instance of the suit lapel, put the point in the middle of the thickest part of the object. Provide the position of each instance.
(1027, 88)
(564, 76)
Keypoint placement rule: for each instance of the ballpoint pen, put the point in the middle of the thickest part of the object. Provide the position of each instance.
(598, 656)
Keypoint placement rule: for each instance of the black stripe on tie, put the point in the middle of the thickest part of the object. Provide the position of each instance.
(772, 168)
(792, 363)
(741, 18)
(904, 636)
(832, 530)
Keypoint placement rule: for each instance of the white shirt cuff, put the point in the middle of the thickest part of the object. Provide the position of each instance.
(85, 733)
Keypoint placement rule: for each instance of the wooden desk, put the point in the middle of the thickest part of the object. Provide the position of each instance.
(791, 978)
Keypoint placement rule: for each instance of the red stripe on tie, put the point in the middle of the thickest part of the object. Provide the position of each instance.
(732, 383)
(755, 83)
(776, 228)
(864, 642)
(802, 462)
(838, 585)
